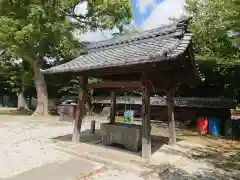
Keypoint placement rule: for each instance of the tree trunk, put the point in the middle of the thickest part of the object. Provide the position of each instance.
(22, 104)
(82, 97)
(41, 88)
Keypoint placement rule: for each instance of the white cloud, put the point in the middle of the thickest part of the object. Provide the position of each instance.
(163, 11)
(97, 35)
(144, 4)
(81, 8)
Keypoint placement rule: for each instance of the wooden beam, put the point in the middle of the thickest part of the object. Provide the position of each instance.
(171, 120)
(82, 97)
(121, 86)
(146, 123)
(115, 84)
(113, 107)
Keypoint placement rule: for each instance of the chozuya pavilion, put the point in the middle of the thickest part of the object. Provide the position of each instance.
(160, 58)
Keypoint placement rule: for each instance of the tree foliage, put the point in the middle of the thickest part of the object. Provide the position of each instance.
(221, 81)
(40, 27)
(215, 25)
(17, 76)
(131, 30)
(33, 28)
(37, 30)
(106, 14)
(234, 18)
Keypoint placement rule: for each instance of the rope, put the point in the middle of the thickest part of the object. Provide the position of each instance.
(153, 88)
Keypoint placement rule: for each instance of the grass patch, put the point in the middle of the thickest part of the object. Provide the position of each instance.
(15, 111)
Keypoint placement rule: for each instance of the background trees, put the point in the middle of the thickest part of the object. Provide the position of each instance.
(38, 30)
(17, 77)
(215, 26)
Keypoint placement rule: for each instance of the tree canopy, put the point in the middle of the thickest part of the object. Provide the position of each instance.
(215, 25)
(36, 30)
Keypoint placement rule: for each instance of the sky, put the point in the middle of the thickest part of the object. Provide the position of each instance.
(147, 14)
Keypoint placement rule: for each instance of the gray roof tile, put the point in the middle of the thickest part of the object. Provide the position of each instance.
(196, 102)
(164, 42)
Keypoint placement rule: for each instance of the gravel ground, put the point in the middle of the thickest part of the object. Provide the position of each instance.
(24, 145)
(190, 169)
(112, 174)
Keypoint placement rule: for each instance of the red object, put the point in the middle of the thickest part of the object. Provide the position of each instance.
(202, 125)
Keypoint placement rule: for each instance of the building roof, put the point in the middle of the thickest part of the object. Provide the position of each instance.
(164, 43)
(197, 102)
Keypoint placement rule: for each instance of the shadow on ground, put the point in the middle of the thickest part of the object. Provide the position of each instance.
(227, 159)
(86, 137)
(223, 163)
(96, 140)
(179, 174)
(221, 156)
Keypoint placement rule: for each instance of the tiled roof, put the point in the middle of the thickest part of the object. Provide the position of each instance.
(154, 45)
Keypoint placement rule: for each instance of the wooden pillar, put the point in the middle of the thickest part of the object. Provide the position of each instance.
(171, 120)
(113, 107)
(92, 130)
(82, 97)
(146, 115)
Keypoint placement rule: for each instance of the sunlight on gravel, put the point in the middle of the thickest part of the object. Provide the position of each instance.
(24, 145)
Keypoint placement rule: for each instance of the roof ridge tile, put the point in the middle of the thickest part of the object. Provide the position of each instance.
(160, 31)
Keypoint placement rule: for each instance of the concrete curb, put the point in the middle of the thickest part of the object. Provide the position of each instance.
(116, 164)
